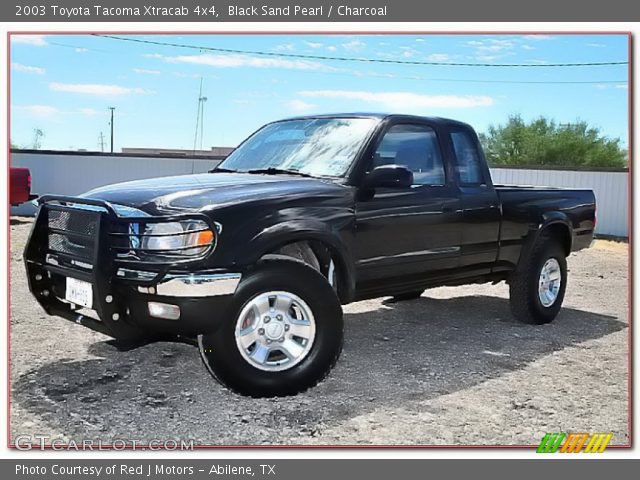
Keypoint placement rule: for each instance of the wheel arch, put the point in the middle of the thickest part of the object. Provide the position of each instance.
(555, 224)
(325, 245)
(558, 225)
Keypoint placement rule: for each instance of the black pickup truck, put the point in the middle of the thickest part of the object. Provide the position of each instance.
(254, 259)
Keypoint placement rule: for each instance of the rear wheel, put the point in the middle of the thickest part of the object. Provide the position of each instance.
(538, 286)
(283, 335)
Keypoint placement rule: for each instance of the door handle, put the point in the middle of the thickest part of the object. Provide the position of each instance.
(446, 209)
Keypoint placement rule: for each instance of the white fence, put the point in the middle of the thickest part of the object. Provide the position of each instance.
(73, 173)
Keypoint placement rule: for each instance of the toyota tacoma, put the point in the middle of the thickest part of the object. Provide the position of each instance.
(254, 260)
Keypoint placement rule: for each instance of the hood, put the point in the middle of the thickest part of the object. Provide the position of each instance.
(212, 190)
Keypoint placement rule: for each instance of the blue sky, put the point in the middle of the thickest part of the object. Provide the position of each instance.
(64, 84)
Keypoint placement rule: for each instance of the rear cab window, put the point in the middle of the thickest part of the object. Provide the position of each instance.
(467, 161)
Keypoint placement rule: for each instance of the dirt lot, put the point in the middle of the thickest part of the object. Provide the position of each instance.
(449, 368)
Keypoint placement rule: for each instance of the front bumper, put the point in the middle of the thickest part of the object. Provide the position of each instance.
(184, 299)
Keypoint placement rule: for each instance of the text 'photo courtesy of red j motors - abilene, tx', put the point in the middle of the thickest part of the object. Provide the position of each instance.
(320, 240)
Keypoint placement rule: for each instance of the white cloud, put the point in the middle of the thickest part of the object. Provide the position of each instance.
(34, 40)
(607, 86)
(528, 47)
(287, 47)
(332, 48)
(492, 45)
(403, 100)
(420, 40)
(236, 61)
(81, 50)
(596, 45)
(408, 52)
(38, 110)
(489, 49)
(95, 89)
(487, 58)
(314, 44)
(49, 111)
(18, 67)
(186, 75)
(144, 71)
(539, 37)
(354, 45)
(438, 57)
(298, 105)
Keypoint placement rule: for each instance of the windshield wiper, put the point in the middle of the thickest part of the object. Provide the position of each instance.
(222, 169)
(277, 171)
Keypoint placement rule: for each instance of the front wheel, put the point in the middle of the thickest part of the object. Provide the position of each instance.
(537, 287)
(283, 333)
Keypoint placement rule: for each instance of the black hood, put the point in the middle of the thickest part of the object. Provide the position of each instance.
(211, 190)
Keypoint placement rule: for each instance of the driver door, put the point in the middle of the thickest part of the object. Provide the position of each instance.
(403, 231)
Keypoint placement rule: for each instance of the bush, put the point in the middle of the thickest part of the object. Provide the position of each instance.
(545, 142)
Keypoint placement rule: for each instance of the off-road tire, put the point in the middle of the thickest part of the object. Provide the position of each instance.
(227, 365)
(523, 283)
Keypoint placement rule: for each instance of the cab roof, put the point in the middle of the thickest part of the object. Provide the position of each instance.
(384, 116)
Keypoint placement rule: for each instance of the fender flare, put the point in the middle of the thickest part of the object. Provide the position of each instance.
(280, 234)
(547, 220)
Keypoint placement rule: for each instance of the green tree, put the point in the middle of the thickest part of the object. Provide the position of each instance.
(545, 142)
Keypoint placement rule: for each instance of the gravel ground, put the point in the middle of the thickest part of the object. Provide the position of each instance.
(450, 368)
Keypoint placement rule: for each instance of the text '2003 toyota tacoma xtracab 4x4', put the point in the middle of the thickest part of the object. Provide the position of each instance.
(255, 258)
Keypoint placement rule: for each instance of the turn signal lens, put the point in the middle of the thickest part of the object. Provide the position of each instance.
(204, 238)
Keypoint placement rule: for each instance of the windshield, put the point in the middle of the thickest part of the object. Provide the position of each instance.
(315, 146)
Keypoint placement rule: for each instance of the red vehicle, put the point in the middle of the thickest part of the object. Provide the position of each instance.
(20, 186)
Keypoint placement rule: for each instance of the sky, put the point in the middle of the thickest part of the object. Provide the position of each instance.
(65, 84)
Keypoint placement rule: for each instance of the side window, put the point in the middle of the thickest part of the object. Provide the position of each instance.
(416, 147)
(467, 159)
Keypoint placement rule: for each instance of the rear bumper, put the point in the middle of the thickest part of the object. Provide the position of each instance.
(582, 239)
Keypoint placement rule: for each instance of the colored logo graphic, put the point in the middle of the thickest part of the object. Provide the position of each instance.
(574, 442)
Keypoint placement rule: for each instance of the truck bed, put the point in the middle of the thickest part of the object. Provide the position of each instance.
(524, 206)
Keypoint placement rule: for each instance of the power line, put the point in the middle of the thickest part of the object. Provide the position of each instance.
(469, 80)
(357, 59)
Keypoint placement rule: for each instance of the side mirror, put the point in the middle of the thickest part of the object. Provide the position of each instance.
(391, 176)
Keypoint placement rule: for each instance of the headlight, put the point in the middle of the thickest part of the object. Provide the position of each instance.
(188, 238)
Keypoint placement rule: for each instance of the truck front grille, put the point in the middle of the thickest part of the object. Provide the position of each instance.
(72, 232)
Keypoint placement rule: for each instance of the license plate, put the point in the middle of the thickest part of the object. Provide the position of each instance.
(79, 292)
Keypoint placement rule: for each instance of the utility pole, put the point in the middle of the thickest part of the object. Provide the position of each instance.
(111, 123)
(101, 142)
